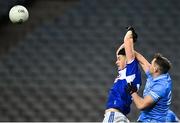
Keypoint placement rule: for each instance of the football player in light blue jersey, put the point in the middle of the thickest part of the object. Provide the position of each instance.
(119, 99)
(156, 99)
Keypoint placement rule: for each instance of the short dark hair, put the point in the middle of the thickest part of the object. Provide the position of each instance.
(122, 52)
(163, 63)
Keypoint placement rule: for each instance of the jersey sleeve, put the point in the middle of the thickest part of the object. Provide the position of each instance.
(133, 73)
(157, 91)
(132, 69)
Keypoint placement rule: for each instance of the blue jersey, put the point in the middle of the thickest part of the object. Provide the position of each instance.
(159, 89)
(118, 97)
(171, 117)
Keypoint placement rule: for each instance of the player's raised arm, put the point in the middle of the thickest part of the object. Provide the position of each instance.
(129, 40)
(143, 62)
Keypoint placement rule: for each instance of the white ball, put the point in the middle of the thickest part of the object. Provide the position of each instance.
(18, 14)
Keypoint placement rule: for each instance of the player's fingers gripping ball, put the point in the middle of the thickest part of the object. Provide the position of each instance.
(18, 14)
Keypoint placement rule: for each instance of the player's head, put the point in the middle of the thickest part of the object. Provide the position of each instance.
(122, 52)
(160, 64)
(121, 59)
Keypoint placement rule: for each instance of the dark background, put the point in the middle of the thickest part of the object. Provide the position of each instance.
(59, 65)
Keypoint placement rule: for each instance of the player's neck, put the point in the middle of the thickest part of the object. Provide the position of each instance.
(155, 75)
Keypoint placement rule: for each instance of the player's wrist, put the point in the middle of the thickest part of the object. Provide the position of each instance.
(133, 93)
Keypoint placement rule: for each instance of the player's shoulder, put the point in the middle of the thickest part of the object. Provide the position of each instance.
(133, 62)
(158, 83)
(163, 80)
(161, 87)
(162, 77)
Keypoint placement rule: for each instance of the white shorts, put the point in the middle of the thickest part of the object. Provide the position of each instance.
(115, 117)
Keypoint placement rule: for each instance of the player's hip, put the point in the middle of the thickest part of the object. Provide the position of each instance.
(114, 116)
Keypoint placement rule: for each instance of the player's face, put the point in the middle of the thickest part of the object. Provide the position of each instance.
(121, 61)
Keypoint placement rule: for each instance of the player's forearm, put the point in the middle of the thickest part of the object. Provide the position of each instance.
(129, 46)
(144, 63)
(142, 103)
(138, 101)
(141, 58)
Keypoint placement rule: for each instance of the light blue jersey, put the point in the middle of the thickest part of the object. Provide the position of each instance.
(118, 97)
(159, 89)
(171, 117)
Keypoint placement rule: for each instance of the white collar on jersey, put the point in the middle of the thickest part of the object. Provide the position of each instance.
(122, 75)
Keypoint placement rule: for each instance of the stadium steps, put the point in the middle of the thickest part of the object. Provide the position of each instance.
(40, 11)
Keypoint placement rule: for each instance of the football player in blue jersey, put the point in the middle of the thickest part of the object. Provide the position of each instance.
(119, 99)
(156, 99)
